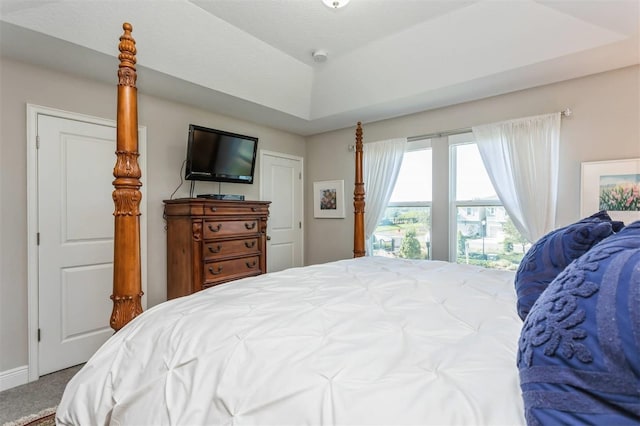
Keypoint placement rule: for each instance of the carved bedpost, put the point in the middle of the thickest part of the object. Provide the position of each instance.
(358, 199)
(127, 285)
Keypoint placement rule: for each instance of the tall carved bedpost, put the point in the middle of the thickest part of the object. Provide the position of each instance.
(127, 282)
(358, 199)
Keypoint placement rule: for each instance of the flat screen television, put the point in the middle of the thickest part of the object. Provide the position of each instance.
(219, 156)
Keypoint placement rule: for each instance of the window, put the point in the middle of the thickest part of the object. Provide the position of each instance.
(405, 229)
(478, 231)
(484, 234)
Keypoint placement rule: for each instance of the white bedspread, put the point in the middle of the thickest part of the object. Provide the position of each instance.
(369, 341)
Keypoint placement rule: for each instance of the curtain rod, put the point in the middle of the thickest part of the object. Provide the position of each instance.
(564, 113)
(439, 134)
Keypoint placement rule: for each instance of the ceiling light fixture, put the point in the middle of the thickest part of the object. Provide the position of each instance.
(335, 4)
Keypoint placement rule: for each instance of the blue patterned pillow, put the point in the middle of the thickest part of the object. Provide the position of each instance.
(579, 349)
(553, 252)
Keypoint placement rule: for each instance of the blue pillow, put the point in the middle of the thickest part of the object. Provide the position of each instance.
(552, 253)
(579, 349)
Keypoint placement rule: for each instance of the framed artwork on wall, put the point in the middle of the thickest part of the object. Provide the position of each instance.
(328, 199)
(613, 186)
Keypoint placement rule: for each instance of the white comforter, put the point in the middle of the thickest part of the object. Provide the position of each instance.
(369, 341)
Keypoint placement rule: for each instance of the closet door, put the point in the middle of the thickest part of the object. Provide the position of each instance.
(75, 252)
(281, 183)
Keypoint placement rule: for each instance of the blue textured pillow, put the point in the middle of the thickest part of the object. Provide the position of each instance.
(552, 253)
(579, 349)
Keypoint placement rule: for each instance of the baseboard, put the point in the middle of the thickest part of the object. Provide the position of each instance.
(14, 377)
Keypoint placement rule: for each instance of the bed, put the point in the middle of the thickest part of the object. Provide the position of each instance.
(362, 341)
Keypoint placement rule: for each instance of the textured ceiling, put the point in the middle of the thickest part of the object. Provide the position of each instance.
(251, 59)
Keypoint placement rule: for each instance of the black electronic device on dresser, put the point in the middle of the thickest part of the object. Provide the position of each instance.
(235, 197)
(220, 156)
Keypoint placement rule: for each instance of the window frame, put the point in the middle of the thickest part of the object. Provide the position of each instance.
(443, 226)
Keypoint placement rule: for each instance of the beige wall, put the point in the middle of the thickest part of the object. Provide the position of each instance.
(605, 125)
(167, 125)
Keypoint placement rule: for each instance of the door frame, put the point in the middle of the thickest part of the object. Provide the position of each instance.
(33, 111)
(264, 153)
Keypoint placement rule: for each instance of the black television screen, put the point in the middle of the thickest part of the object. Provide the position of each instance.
(220, 156)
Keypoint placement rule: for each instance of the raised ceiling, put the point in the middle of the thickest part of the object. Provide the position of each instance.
(252, 59)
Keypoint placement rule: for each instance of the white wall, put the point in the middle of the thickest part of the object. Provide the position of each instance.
(167, 124)
(605, 125)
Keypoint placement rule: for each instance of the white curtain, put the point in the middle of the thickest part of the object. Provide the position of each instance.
(380, 168)
(521, 157)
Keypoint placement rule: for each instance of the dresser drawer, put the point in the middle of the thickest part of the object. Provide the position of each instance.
(224, 228)
(218, 249)
(234, 209)
(225, 270)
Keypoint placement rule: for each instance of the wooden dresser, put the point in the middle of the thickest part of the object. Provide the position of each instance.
(210, 242)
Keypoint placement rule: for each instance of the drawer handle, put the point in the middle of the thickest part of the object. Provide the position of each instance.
(215, 272)
(213, 209)
(250, 244)
(215, 249)
(217, 228)
(251, 265)
(254, 209)
(250, 225)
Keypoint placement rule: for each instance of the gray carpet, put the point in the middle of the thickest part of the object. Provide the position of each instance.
(35, 396)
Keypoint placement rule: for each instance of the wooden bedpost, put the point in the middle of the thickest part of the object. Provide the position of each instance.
(127, 286)
(358, 199)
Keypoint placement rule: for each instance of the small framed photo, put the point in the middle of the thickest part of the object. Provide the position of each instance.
(328, 199)
(613, 186)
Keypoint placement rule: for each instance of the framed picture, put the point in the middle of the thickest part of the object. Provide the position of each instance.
(328, 199)
(613, 186)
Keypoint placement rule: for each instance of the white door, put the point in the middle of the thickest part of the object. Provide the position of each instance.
(75, 163)
(281, 183)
